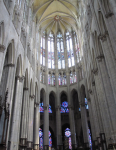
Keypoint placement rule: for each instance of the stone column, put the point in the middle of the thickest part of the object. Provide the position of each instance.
(36, 127)
(58, 114)
(84, 124)
(30, 122)
(109, 100)
(46, 102)
(2, 49)
(46, 127)
(15, 131)
(24, 125)
(72, 127)
(37, 112)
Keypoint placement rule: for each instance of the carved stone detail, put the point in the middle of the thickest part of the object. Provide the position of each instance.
(90, 91)
(109, 14)
(2, 48)
(100, 57)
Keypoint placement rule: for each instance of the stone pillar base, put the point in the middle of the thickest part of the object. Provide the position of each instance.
(86, 145)
(74, 146)
(60, 147)
(95, 145)
(46, 147)
(36, 147)
(29, 145)
(23, 144)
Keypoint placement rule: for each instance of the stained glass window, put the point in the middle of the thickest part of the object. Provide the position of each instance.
(50, 139)
(68, 135)
(50, 110)
(60, 51)
(41, 109)
(90, 141)
(62, 79)
(86, 104)
(77, 49)
(51, 51)
(42, 53)
(40, 138)
(73, 77)
(51, 79)
(70, 52)
(64, 107)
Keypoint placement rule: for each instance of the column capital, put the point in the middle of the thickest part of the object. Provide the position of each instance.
(93, 83)
(36, 104)
(90, 91)
(82, 104)
(103, 37)
(45, 107)
(2, 48)
(32, 96)
(25, 89)
(20, 78)
(58, 108)
(95, 71)
(109, 14)
(100, 57)
(70, 107)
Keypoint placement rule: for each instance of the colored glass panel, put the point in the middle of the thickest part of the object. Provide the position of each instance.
(50, 139)
(40, 138)
(64, 107)
(50, 110)
(41, 107)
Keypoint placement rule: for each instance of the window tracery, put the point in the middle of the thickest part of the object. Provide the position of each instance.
(64, 107)
(68, 137)
(42, 53)
(62, 79)
(60, 51)
(51, 51)
(70, 52)
(73, 77)
(77, 49)
(51, 78)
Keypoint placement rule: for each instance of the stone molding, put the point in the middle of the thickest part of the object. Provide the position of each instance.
(95, 71)
(58, 108)
(109, 14)
(2, 48)
(93, 83)
(25, 89)
(90, 91)
(100, 57)
(20, 78)
(103, 37)
(32, 97)
(45, 107)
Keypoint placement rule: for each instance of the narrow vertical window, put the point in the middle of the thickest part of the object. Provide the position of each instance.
(42, 54)
(70, 52)
(51, 51)
(60, 51)
(77, 49)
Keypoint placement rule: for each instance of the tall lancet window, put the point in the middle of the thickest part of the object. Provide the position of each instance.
(51, 51)
(70, 52)
(42, 54)
(77, 49)
(60, 50)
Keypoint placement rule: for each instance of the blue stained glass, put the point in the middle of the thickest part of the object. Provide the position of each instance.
(50, 139)
(41, 107)
(64, 107)
(67, 132)
(50, 110)
(86, 103)
(68, 135)
(90, 142)
(40, 138)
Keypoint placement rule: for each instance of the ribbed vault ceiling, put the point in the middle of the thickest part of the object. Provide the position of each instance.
(55, 15)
